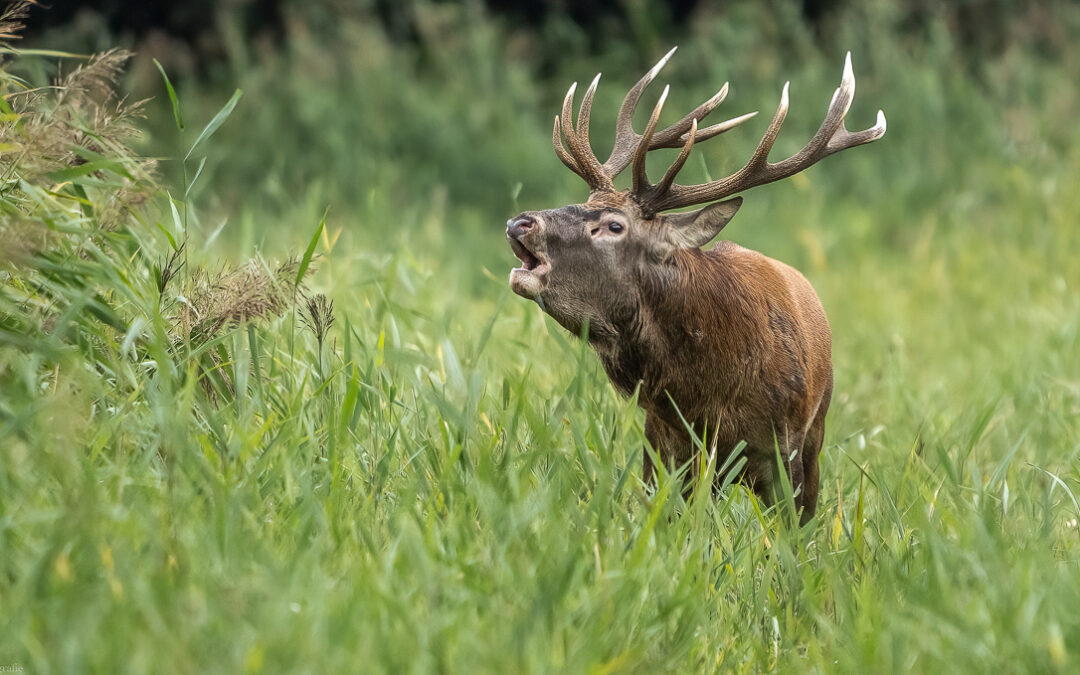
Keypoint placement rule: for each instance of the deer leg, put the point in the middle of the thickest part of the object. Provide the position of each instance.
(648, 469)
(811, 448)
(673, 447)
(654, 434)
(809, 460)
(791, 454)
(760, 475)
(763, 473)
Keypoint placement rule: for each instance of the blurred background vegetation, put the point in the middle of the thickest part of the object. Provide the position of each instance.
(200, 472)
(447, 105)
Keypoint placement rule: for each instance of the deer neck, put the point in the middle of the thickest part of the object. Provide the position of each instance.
(681, 309)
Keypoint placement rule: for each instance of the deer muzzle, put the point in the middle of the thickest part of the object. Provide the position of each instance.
(530, 279)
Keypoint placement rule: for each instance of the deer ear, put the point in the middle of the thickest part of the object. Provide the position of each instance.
(694, 229)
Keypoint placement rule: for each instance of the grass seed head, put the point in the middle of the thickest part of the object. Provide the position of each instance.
(317, 315)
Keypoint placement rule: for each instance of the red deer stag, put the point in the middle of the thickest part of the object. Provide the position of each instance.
(726, 341)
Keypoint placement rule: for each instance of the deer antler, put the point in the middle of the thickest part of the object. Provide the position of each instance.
(580, 158)
(832, 136)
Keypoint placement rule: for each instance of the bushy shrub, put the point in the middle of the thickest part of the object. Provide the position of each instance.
(95, 290)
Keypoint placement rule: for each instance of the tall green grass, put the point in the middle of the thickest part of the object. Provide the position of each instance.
(200, 473)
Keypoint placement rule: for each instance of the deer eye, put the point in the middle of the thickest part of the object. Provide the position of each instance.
(615, 227)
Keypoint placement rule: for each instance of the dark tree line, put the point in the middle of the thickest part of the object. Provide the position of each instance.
(982, 26)
(192, 20)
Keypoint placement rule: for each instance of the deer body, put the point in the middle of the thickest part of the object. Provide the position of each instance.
(744, 353)
(729, 342)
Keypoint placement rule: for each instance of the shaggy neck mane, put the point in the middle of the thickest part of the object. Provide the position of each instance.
(679, 308)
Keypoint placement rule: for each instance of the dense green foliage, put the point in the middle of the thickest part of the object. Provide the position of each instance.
(198, 474)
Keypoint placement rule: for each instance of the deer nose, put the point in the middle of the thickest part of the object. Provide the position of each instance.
(515, 227)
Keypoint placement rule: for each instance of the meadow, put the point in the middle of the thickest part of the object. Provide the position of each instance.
(207, 467)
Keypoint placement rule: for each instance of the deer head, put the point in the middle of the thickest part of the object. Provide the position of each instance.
(587, 262)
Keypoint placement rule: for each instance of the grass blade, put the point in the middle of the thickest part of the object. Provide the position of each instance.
(172, 97)
(218, 120)
(306, 260)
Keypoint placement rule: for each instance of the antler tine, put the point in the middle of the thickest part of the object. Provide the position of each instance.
(560, 149)
(582, 160)
(761, 152)
(568, 113)
(669, 176)
(719, 128)
(585, 112)
(641, 179)
(674, 136)
(600, 180)
(831, 137)
(626, 139)
(845, 139)
(568, 130)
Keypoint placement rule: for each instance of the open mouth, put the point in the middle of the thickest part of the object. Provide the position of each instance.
(529, 280)
(530, 261)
